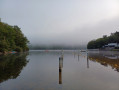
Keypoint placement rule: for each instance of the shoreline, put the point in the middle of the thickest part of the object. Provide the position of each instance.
(10, 52)
(102, 50)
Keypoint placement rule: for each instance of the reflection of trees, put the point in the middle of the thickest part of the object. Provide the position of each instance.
(100, 58)
(11, 66)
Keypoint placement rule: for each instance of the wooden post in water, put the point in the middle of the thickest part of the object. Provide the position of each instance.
(87, 61)
(60, 69)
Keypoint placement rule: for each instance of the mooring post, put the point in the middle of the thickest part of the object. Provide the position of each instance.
(60, 68)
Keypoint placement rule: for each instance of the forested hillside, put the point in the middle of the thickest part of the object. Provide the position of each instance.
(12, 39)
(98, 43)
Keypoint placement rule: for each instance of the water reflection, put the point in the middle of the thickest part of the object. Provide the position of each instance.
(11, 66)
(54, 70)
(106, 59)
(78, 57)
(60, 68)
(87, 61)
(76, 53)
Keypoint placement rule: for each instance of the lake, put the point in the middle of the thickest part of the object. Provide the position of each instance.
(60, 70)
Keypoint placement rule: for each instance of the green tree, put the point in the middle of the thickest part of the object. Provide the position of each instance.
(12, 38)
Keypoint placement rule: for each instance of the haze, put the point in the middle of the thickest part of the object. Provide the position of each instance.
(62, 22)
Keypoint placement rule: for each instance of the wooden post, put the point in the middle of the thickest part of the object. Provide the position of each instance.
(60, 69)
(87, 61)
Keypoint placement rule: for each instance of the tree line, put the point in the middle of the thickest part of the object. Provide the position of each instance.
(12, 39)
(100, 42)
(55, 47)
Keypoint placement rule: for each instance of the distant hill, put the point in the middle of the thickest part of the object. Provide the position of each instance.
(55, 47)
(12, 39)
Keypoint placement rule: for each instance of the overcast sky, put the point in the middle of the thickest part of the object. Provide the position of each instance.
(70, 22)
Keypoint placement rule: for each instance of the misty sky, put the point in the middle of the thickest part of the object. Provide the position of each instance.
(69, 22)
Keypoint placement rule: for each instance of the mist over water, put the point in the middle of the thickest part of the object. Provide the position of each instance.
(58, 31)
(80, 36)
(64, 22)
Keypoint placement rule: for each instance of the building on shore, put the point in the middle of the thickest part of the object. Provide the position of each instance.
(111, 46)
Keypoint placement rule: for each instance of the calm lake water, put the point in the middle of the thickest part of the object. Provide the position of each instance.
(54, 70)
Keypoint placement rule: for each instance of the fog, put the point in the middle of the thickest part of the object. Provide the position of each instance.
(62, 22)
